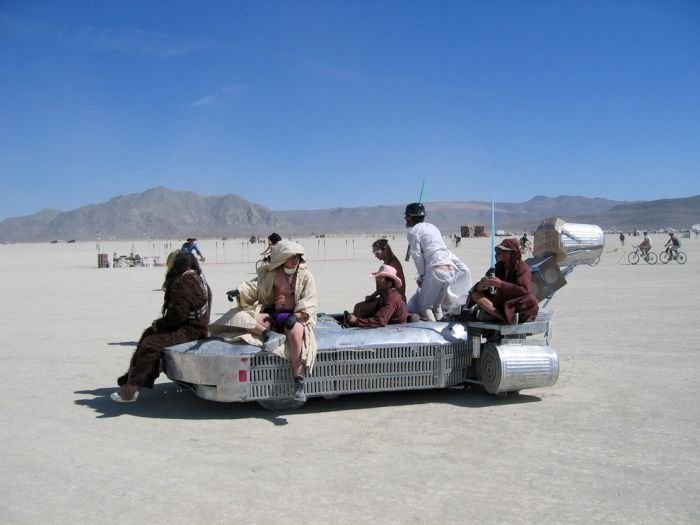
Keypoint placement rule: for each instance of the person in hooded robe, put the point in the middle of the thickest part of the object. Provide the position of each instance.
(186, 307)
(506, 296)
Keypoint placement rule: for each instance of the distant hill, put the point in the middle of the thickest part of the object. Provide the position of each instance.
(446, 215)
(650, 215)
(158, 212)
(163, 213)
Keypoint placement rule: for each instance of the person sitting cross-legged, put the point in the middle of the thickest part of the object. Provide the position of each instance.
(391, 308)
(511, 286)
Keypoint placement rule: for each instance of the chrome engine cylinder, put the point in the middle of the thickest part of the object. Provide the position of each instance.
(511, 367)
(572, 243)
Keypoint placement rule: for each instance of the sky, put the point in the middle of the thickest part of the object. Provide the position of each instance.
(300, 105)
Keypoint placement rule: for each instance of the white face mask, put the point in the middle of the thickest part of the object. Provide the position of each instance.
(290, 271)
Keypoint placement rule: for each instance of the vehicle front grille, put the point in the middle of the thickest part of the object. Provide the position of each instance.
(347, 371)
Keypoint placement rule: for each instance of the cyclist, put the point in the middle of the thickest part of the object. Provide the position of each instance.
(525, 243)
(672, 245)
(645, 245)
(190, 246)
(272, 239)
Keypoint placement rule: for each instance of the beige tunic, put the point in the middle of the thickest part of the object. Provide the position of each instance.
(255, 295)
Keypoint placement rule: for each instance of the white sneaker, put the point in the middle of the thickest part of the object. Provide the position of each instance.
(119, 399)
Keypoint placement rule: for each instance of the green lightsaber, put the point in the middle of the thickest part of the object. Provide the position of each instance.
(420, 199)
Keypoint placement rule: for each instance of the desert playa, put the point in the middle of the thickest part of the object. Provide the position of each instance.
(616, 440)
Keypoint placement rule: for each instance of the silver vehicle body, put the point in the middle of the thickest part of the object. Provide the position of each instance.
(396, 357)
(422, 355)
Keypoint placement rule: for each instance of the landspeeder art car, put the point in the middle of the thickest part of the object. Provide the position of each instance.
(421, 355)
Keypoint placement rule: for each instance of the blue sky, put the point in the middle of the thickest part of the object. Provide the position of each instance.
(322, 104)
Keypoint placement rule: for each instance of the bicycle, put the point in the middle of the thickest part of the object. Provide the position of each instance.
(262, 262)
(676, 255)
(634, 257)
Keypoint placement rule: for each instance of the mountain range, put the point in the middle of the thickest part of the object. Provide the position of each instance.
(164, 213)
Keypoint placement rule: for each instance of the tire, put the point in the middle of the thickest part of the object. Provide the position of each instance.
(490, 368)
(664, 257)
(633, 258)
(681, 257)
(280, 404)
(652, 258)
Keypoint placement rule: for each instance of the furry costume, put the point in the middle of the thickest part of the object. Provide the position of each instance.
(186, 318)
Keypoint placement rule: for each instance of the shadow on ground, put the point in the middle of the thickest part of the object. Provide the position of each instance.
(171, 401)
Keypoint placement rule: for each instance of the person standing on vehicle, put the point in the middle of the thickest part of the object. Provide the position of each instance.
(186, 307)
(190, 246)
(391, 306)
(433, 261)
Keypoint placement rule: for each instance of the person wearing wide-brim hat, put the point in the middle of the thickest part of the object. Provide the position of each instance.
(511, 285)
(391, 305)
(190, 246)
(283, 299)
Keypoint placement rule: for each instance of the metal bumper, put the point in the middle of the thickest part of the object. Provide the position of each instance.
(397, 357)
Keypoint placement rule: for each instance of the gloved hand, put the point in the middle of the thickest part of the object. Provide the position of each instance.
(290, 321)
(232, 294)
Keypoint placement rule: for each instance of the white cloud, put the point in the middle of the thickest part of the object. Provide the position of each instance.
(221, 93)
(318, 67)
(105, 39)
